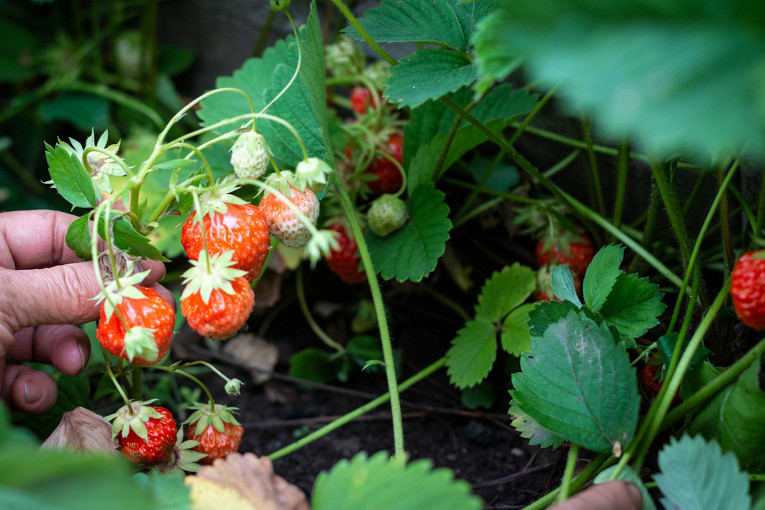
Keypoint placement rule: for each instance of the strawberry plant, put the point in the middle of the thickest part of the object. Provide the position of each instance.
(599, 205)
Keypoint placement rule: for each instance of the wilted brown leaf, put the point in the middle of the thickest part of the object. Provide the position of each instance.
(243, 482)
(254, 352)
(82, 429)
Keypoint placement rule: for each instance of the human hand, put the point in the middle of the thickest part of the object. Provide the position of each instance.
(45, 289)
(613, 495)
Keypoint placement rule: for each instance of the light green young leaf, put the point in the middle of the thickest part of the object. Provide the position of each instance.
(601, 275)
(412, 252)
(633, 305)
(495, 58)
(428, 74)
(734, 419)
(78, 236)
(472, 354)
(504, 291)
(516, 337)
(578, 384)
(697, 475)
(70, 177)
(628, 473)
(370, 483)
(562, 281)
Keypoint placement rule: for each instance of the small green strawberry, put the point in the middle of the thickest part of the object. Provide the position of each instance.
(386, 215)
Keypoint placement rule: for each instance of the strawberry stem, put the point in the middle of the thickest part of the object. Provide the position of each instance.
(198, 209)
(340, 350)
(568, 473)
(108, 368)
(177, 370)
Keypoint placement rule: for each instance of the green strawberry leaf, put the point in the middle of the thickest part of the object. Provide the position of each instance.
(530, 429)
(312, 365)
(697, 475)
(472, 354)
(447, 23)
(734, 418)
(504, 291)
(167, 489)
(633, 305)
(546, 313)
(562, 280)
(515, 335)
(497, 110)
(480, 395)
(715, 54)
(262, 79)
(601, 275)
(70, 177)
(666, 345)
(86, 111)
(577, 383)
(367, 483)
(412, 252)
(428, 74)
(127, 239)
(629, 474)
(78, 236)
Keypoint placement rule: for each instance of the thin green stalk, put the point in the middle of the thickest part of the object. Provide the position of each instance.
(356, 413)
(108, 367)
(533, 113)
(355, 23)
(716, 385)
(324, 337)
(593, 174)
(187, 375)
(382, 323)
(730, 258)
(674, 210)
(744, 207)
(621, 184)
(568, 472)
(439, 170)
(761, 208)
(459, 217)
(117, 97)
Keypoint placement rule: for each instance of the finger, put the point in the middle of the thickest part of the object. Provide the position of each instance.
(54, 295)
(65, 347)
(36, 239)
(29, 390)
(613, 495)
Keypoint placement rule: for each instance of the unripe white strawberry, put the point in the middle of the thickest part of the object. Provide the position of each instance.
(249, 155)
(386, 215)
(284, 224)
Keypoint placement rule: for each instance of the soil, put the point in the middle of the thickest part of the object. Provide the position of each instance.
(479, 445)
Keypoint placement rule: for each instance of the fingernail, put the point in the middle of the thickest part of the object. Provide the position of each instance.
(83, 357)
(32, 393)
(635, 494)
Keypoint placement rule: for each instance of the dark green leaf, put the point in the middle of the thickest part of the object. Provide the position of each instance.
(131, 242)
(495, 56)
(85, 111)
(168, 490)
(705, 97)
(312, 365)
(697, 475)
(578, 384)
(533, 431)
(70, 177)
(562, 281)
(601, 275)
(472, 353)
(369, 483)
(412, 252)
(78, 237)
(480, 395)
(633, 305)
(428, 74)
(516, 337)
(545, 313)
(666, 345)
(734, 418)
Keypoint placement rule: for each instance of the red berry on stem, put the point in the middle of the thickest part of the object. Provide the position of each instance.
(388, 178)
(577, 254)
(218, 432)
(344, 260)
(747, 289)
(147, 435)
(361, 99)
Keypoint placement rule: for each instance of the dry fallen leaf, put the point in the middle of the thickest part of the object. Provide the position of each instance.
(243, 482)
(82, 429)
(255, 352)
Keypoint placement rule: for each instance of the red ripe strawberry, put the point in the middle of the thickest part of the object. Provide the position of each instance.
(218, 432)
(361, 99)
(747, 289)
(140, 328)
(146, 434)
(650, 379)
(576, 253)
(242, 228)
(218, 299)
(388, 178)
(344, 260)
(285, 225)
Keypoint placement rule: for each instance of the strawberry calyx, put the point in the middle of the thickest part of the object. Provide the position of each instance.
(98, 164)
(216, 201)
(312, 174)
(140, 343)
(184, 457)
(117, 290)
(321, 245)
(133, 417)
(210, 273)
(283, 182)
(205, 415)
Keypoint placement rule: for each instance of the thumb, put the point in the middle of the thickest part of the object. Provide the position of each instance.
(613, 495)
